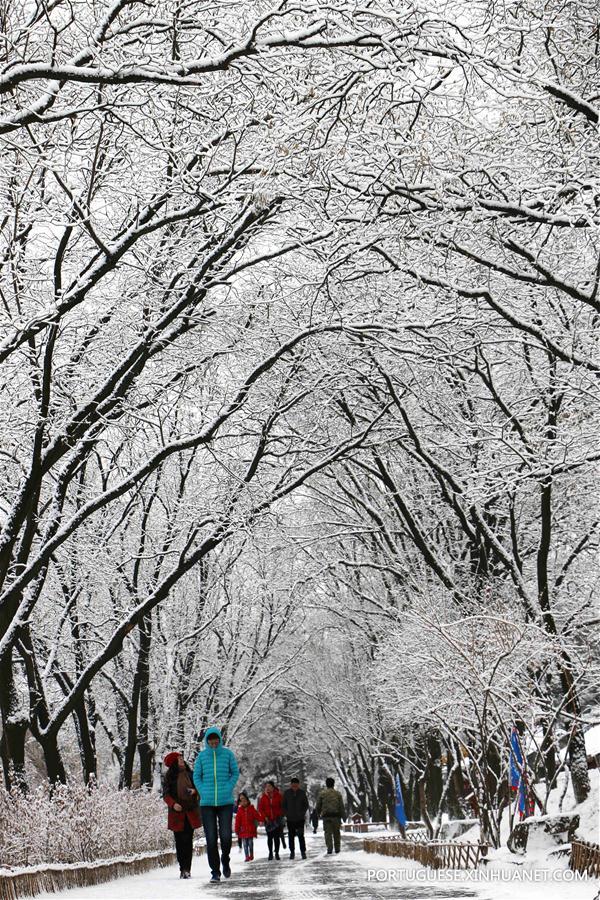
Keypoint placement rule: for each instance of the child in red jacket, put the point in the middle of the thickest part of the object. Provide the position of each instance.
(245, 824)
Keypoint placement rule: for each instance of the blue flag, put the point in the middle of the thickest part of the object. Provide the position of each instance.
(518, 778)
(400, 813)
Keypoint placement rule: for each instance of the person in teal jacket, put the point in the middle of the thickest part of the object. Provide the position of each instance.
(215, 775)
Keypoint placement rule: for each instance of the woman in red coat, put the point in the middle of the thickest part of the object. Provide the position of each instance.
(181, 797)
(271, 810)
(245, 824)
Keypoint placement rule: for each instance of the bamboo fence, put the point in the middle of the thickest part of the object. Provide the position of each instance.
(585, 858)
(362, 827)
(54, 878)
(435, 854)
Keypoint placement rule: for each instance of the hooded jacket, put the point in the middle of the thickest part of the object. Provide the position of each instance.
(215, 772)
(245, 821)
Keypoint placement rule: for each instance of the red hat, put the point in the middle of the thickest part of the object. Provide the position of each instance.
(171, 758)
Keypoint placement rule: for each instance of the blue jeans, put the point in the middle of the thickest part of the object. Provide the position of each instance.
(248, 846)
(217, 826)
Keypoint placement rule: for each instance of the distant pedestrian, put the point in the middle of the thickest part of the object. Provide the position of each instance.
(215, 775)
(330, 808)
(271, 809)
(282, 829)
(295, 807)
(314, 820)
(239, 840)
(181, 797)
(245, 824)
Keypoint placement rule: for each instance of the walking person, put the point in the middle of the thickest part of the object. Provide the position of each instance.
(314, 820)
(184, 817)
(330, 807)
(271, 809)
(215, 775)
(245, 824)
(295, 807)
(235, 809)
(282, 829)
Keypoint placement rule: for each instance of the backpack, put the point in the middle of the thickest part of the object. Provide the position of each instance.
(330, 803)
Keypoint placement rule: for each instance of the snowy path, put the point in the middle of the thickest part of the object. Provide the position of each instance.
(320, 877)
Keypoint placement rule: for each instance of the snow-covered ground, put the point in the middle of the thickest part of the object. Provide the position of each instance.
(354, 874)
(592, 740)
(589, 815)
(363, 876)
(589, 812)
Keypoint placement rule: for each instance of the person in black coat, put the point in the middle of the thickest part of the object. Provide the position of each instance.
(295, 807)
(314, 820)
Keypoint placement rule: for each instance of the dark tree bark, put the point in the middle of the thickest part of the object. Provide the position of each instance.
(15, 723)
(145, 747)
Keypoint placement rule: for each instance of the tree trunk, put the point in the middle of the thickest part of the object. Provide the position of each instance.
(548, 752)
(145, 747)
(53, 760)
(578, 764)
(15, 723)
(424, 812)
(40, 714)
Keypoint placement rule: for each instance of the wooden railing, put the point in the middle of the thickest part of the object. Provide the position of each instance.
(417, 837)
(54, 878)
(436, 854)
(363, 827)
(585, 858)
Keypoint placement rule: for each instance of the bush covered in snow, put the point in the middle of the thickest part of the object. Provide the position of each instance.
(76, 824)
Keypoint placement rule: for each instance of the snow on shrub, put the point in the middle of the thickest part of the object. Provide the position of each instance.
(75, 824)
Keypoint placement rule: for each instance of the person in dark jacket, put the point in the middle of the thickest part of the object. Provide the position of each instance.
(215, 775)
(314, 820)
(270, 808)
(181, 797)
(330, 808)
(295, 807)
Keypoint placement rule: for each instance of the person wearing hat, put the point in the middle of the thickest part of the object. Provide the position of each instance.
(215, 775)
(184, 817)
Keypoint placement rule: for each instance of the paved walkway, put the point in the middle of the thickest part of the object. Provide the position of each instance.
(323, 877)
(320, 877)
